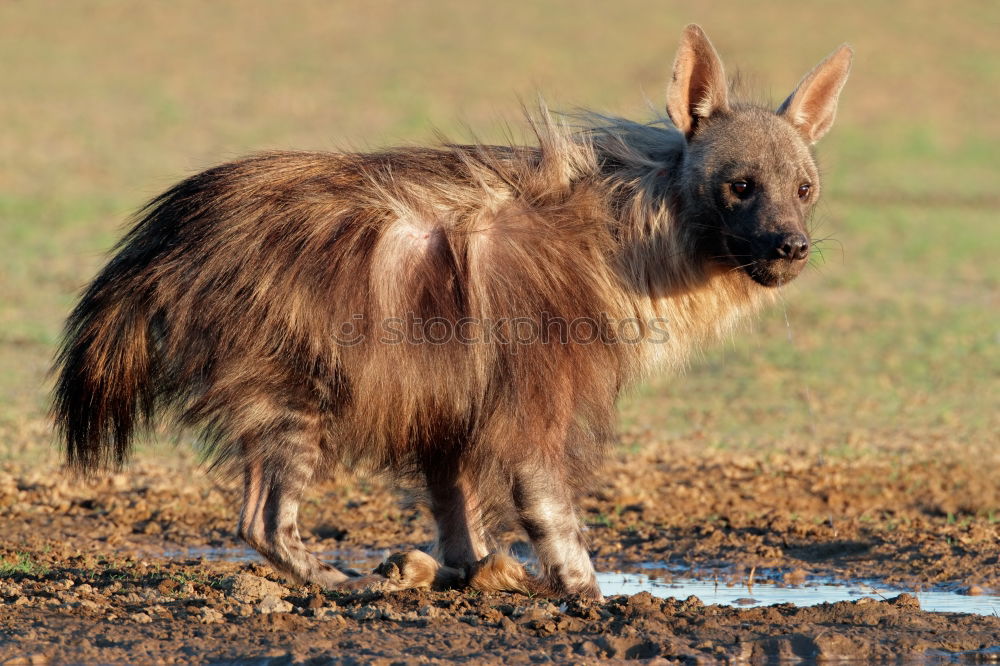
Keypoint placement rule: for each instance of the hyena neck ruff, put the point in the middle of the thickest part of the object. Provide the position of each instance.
(670, 275)
(715, 215)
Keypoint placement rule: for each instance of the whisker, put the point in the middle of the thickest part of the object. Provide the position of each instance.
(724, 232)
(830, 239)
(741, 267)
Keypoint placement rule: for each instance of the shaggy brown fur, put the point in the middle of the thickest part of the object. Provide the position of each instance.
(454, 315)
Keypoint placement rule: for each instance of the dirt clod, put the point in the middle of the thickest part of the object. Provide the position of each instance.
(272, 604)
(247, 587)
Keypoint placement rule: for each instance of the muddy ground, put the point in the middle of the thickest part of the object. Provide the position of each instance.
(107, 571)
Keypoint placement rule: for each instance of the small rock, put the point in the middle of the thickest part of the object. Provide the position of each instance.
(160, 611)
(210, 616)
(167, 586)
(140, 618)
(273, 604)
(905, 600)
(836, 647)
(507, 625)
(534, 615)
(365, 613)
(247, 587)
(325, 613)
(692, 603)
(974, 591)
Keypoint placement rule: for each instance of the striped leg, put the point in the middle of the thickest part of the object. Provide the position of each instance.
(547, 514)
(461, 539)
(272, 490)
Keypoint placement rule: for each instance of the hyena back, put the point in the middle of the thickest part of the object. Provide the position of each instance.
(251, 301)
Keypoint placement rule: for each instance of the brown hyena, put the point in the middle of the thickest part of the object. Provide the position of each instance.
(271, 302)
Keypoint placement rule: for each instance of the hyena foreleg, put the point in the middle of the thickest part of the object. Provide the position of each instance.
(547, 514)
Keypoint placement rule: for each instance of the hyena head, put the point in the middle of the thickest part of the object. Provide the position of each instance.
(749, 179)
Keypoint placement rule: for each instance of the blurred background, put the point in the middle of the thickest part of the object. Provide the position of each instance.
(889, 346)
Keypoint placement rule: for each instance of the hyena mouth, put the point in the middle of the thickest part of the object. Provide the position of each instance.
(774, 272)
(778, 262)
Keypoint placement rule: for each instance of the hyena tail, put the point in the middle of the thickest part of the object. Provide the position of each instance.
(106, 385)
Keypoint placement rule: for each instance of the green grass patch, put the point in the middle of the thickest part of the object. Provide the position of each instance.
(21, 565)
(891, 339)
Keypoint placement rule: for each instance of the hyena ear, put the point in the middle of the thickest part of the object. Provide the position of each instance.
(698, 87)
(813, 105)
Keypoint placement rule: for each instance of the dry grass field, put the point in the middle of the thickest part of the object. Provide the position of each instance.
(861, 415)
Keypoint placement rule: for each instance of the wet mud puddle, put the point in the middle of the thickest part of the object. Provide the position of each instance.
(709, 592)
(807, 594)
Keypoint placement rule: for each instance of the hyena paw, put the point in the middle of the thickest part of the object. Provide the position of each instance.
(586, 588)
(498, 572)
(366, 583)
(413, 569)
(328, 578)
(400, 571)
(591, 591)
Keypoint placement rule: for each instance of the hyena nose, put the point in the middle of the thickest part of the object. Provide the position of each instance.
(794, 246)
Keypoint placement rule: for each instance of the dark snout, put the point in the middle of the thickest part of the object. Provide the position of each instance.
(778, 257)
(793, 246)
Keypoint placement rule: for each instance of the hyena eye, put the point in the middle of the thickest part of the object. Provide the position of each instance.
(804, 190)
(741, 188)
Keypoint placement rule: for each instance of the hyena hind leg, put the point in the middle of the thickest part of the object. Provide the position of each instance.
(461, 539)
(272, 490)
